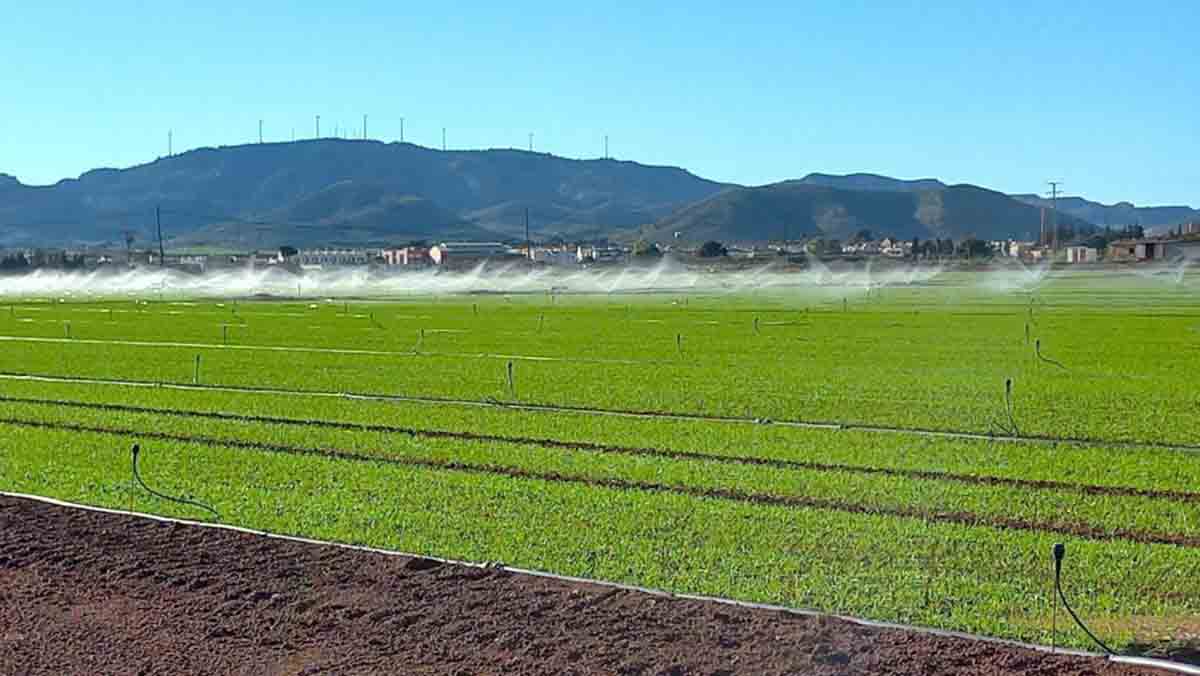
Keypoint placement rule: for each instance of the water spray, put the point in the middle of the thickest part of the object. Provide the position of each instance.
(137, 477)
(1060, 552)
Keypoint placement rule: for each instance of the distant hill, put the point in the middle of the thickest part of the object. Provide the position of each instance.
(1119, 214)
(872, 182)
(802, 208)
(346, 191)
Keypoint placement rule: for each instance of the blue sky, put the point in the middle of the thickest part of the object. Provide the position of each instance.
(1102, 95)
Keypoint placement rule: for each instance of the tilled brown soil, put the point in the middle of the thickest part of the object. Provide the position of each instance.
(83, 592)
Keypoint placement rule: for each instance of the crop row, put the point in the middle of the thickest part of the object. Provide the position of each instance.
(1123, 470)
(1020, 506)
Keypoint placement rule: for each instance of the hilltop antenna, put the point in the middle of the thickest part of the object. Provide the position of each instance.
(528, 244)
(606, 146)
(364, 126)
(402, 130)
(318, 126)
(530, 141)
(170, 143)
(443, 139)
(1054, 210)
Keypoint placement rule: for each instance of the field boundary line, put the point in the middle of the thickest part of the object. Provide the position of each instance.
(798, 612)
(641, 451)
(960, 518)
(566, 408)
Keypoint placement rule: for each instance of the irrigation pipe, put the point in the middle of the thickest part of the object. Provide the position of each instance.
(796, 612)
(183, 501)
(562, 408)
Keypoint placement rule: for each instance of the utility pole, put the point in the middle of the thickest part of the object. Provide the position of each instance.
(162, 254)
(528, 244)
(1054, 210)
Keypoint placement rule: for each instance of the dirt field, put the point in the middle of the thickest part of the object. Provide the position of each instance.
(85, 592)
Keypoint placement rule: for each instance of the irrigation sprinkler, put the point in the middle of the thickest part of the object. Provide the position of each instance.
(196, 372)
(1060, 552)
(475, 309)
(756, 326)
(845, 305)
(1026, 333)
(679, 343)
(224, 334)
(541, 321)
(137, 477)
(420, 341)
(512, 387)
(67, 328)
(1010, 428)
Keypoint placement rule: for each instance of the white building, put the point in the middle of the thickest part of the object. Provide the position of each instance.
(554, 256)
(1082, 254)
(599, 254)
(459, 252)
(330, 258)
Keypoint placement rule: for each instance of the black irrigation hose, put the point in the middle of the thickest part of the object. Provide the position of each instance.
(1038, 350)
(1060, 551)
(183, 501)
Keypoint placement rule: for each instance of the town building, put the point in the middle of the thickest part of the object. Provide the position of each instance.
(461, 253)
(406, 256)
(599, 254)
(1082, 254)
(332, 258)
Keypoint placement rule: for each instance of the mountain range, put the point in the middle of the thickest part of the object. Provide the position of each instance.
(343, 192)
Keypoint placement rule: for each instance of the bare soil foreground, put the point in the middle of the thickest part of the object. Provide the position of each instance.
(87, 592)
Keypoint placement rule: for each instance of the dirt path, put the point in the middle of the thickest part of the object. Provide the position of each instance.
(86, 592)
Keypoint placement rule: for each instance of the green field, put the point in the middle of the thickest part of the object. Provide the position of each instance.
(819, 446)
